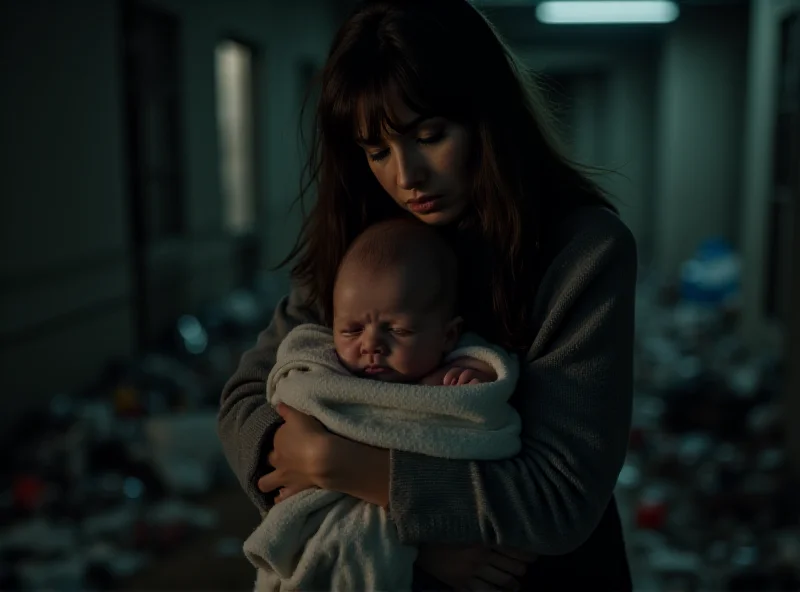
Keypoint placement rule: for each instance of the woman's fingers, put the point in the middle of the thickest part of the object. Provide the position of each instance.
(503, 571)
(509, 565)
(285, 493)
(272, 458)
(497, 577)
(269, 482)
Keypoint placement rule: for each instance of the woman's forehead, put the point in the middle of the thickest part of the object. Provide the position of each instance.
(391, 116)
(389, 129)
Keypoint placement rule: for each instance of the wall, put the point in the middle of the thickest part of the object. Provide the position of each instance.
(791, 390)
(287, 39)
(699, 130)
(65, 274)
(669, 117)
(630, 129)
(758, 155)
(612, 114)
(765, 18)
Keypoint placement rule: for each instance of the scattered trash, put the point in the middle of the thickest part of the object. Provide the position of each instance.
(712, 501)
(99, 483)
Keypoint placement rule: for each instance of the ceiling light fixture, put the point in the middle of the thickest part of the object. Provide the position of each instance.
(597, 12)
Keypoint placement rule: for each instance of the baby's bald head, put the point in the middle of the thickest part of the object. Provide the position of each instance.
(394, 302)
(424, 264)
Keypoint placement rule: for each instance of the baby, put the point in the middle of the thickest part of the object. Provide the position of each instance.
(394, 321)
(394, 303)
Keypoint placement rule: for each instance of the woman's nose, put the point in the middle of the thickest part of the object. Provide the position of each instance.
(411, 169)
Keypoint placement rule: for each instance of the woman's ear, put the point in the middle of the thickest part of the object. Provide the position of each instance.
(452, 333)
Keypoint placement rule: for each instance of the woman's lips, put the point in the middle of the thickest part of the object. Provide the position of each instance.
(423, 205)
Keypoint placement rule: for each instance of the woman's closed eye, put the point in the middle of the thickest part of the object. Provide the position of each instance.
(431, 138)
(424, 140)
(378, 156)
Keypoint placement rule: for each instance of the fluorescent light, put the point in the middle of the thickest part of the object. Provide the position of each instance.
(603, 12)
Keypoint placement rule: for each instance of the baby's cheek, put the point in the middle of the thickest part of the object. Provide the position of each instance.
(347, 354)
(405, 356)
(422, 355)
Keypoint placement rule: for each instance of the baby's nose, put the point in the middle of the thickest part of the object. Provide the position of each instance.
(372, 345)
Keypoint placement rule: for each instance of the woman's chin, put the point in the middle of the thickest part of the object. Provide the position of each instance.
(439, 218)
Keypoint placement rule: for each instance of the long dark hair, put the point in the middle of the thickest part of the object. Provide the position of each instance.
(446, 60)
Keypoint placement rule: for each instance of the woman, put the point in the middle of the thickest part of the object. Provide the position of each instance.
(424, 112)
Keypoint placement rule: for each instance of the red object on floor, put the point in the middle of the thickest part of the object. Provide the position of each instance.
(28, 491)
(651, 515)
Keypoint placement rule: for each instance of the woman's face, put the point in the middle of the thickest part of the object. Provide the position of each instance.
(423, 166)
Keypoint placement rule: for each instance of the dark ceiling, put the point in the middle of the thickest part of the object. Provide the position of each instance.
(516, 21)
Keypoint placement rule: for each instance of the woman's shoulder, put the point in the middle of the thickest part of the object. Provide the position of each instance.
(589, 242)
(593, 268)
(301, 300)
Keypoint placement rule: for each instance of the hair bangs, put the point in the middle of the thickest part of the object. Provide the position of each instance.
(365, 108)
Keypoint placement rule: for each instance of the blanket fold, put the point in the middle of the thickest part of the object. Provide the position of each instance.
(325, 540)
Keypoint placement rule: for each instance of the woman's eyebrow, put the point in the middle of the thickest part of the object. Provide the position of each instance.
(402, 128)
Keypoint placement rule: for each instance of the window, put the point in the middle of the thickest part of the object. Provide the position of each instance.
(236, 124)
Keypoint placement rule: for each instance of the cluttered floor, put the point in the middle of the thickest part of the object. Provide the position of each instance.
(123, 486)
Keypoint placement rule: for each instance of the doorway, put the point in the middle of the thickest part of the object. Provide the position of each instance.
(153, 109)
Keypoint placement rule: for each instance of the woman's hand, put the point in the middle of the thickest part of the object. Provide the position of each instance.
(299, 455)
(306, 455)
(474, 568)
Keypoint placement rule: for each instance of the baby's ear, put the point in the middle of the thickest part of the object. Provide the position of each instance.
(452, 333)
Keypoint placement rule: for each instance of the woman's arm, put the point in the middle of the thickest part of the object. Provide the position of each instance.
(358, 470)
(247, 422)
(575, 399)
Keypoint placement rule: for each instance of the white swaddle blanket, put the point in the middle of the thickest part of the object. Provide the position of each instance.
(325, 540)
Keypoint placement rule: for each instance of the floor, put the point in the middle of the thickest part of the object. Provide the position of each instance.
(212, 561)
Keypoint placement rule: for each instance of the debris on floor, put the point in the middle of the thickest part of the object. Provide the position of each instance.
(106, 480)
(712, 501)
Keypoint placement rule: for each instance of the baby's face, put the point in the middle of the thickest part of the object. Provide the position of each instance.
(385, 327)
